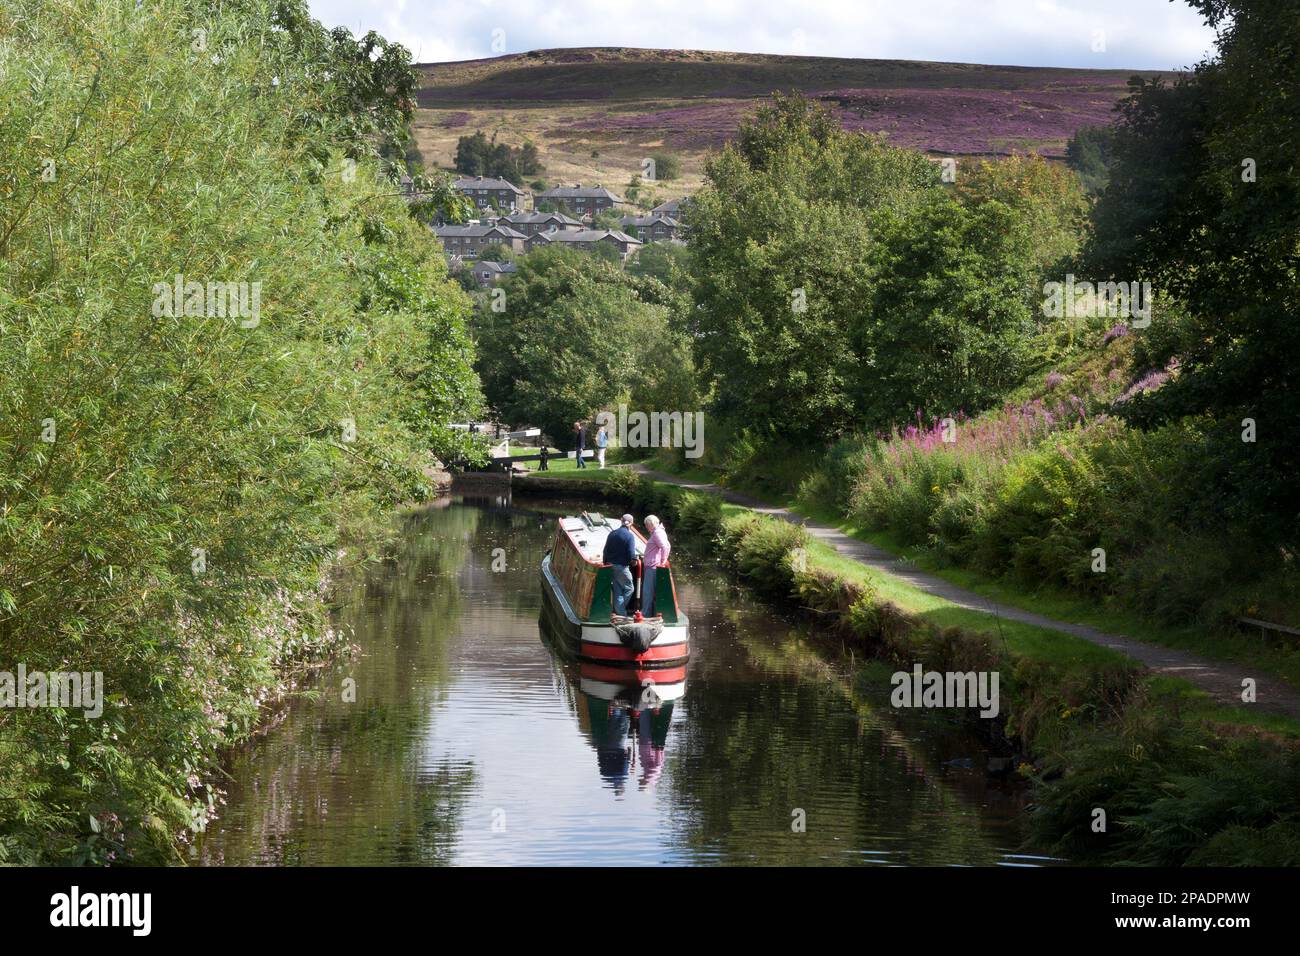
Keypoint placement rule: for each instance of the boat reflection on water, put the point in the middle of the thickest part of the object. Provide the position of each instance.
(627, 715)
(625, 712)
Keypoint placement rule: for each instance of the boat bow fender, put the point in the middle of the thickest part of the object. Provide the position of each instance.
(637, 636)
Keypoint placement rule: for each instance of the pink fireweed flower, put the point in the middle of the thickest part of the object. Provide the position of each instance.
(1115, 332)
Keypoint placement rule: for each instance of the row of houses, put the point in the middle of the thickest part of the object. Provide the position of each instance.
(486, 193)
(466, 242)
(651, 228)
(522, 231)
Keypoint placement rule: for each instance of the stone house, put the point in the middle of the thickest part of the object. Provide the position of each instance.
(466, 241)
(586, 240)
(582, 201)
(485, 193)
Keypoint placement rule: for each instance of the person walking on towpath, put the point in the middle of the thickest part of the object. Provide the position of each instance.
(580, 430)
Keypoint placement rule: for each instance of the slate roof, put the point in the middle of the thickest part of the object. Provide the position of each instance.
(486, 182)
(580, 192)
(477, 231)
(585, 235)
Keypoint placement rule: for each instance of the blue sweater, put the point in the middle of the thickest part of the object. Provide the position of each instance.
(620, 547)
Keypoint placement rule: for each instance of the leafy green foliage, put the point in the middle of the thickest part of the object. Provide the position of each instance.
(699, 514)
(668, 263)
(1088, 153)
(1172, 797)
(578, 335)
(667, 166)
(608, 219)
(759, 549)
(1182, 210)
(476, 155)
(840, 284)
(137, 439)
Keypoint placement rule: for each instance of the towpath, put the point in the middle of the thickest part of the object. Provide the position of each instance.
(1222, 680)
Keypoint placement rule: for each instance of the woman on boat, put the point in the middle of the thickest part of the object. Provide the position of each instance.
(657, 548)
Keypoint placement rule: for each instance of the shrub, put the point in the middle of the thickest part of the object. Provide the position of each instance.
(826, 592)
(699, 514)
(198, 480)
(757, 547)
(843, 467)
(667, 166)
(1173, 795)
(623, 482)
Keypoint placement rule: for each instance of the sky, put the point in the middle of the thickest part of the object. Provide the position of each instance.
(1122, 34)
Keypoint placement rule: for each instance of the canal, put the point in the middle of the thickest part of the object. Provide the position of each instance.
(459, 735)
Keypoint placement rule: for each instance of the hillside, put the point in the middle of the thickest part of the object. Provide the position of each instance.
(595, 113)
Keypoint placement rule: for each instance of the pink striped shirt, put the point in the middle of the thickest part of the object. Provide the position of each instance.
(657, 549)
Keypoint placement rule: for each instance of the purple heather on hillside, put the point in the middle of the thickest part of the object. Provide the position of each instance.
(965, 121)
(949, 121)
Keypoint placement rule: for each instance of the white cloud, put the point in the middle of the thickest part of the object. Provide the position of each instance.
(1139, 34)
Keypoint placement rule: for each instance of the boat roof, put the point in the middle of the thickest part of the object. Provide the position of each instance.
(588, 532)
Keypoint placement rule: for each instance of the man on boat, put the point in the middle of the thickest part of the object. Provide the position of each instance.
(656, 556)
(620, 554)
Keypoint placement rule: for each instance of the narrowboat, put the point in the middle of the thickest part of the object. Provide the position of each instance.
(578, 602)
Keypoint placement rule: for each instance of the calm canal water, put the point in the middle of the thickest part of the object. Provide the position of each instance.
(472, 741)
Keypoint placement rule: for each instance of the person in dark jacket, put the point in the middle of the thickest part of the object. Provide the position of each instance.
(620, 554)
(581, 431)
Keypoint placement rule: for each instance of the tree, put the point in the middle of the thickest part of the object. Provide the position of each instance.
(840, 286)
(472, 154)
(665, 261)
(789, 120)
(952, 321)
(180, 480)
(1204, 201)
(1088, 153)
(607, 219)
(779, 245)
(573, 340)
(476, 155)
(667, 166)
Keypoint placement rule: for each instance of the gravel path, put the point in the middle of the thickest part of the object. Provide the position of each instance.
(1222, 680)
